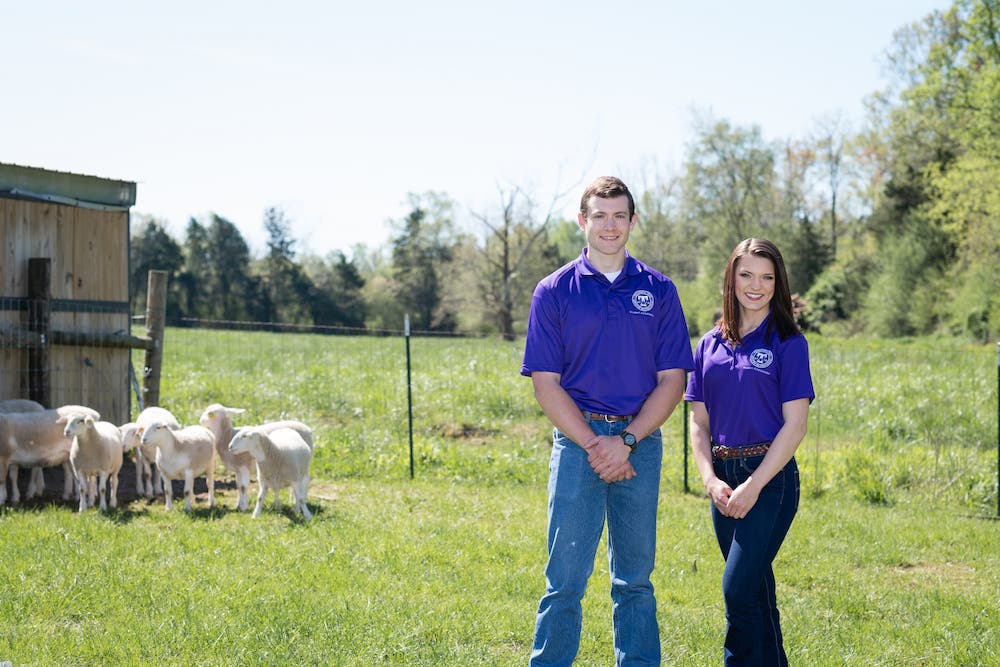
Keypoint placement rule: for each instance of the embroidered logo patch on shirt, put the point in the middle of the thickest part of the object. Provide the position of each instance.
(761, 357)
(642, 300)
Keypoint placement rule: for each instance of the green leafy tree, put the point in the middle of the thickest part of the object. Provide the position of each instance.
(663, 237)
(289, 292)
(566, 240)
(514, 253)
(153, 248)
(941, 204)
(193, 281)
(421, 246)
(338, 296)
(728, 187)
(237, 292)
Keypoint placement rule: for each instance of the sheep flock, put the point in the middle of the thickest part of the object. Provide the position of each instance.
(91, 453)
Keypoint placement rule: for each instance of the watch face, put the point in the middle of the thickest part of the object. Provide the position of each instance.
(629, 439)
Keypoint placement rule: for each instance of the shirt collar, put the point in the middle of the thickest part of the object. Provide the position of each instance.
(584, 267)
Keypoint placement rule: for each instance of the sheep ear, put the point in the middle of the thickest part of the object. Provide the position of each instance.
(62, 420)
(89, 419)
(235, 411)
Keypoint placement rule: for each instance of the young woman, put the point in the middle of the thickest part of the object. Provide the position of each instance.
(750, 393)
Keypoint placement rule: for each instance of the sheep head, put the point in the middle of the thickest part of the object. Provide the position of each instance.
(130, 435)
(245, 440)
(148, 434)
(216, 414)
(76, 423)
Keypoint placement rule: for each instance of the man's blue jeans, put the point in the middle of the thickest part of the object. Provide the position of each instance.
(749, 545)
(579, 503)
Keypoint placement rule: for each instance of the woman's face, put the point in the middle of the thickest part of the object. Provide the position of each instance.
(754, 284)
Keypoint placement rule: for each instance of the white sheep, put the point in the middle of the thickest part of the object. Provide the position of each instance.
(36, 439)
(21, 405)
(146, 483)
(96, 456)
(182, 454)
(218, 419)
(283, 458)
(36, 483)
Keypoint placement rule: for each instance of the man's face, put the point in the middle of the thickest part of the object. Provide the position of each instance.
(607, 225)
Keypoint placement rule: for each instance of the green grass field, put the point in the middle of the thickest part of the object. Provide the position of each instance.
(894, 558)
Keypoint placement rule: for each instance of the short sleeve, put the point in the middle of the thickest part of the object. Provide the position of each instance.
(796, 377)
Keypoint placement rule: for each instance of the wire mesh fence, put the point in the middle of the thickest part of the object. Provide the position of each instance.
(914, 412)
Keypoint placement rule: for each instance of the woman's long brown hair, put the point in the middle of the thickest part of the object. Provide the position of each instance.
(782, 316)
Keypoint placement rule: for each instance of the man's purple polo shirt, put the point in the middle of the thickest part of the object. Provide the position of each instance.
(607, 341)
(744, 386)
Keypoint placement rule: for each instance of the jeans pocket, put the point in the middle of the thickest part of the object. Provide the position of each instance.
(749, 464)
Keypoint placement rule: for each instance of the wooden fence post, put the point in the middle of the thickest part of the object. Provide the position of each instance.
(156, 314)
(40, 323)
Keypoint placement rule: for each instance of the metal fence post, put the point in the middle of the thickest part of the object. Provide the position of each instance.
(686, 404)
(409, 390)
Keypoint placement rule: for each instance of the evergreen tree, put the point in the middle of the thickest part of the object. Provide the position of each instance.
(288, 289)
(194, 279)
(419, 250)
(337, 298)
(152, 248)
(232, 286)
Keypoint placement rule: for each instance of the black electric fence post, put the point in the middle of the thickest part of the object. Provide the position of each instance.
(998, 429)
(686, 489)
(409, 389)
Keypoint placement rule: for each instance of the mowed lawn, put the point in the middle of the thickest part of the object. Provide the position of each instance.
(894, 558)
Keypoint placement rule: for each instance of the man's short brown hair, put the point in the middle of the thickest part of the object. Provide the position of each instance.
(606, 187)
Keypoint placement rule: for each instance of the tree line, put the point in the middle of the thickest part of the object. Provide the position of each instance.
(891, 228)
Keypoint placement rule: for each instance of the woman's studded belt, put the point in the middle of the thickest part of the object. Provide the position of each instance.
(723, 452)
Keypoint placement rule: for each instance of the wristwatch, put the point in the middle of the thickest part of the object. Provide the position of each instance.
(629, 441)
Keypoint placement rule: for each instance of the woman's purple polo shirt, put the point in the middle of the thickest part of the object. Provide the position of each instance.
(606, 340)
(743, 387)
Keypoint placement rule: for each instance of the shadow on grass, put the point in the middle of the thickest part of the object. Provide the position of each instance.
(288, 511)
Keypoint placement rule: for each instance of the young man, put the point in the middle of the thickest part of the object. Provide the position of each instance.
(607, 351)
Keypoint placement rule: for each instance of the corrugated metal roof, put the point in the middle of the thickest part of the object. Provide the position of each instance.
(65, 188)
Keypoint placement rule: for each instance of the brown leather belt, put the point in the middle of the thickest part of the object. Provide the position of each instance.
(587, 414)
(723, 452)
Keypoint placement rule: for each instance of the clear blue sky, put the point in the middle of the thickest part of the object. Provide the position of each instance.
(334, 111)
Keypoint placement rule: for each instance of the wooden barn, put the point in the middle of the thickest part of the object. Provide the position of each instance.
(65, 323)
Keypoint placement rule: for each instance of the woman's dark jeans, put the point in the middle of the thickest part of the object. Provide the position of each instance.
(749, 545)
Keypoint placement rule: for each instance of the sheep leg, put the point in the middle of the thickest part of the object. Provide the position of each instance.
(15, 493)
(36, 483)
(3, 482)
(152, 479)
(188, 489)
(92, 493)
(210, 481)
(82, 482)
(102, 489)
(140, 464)
(114, 490)
(68, 480)
(260, 497)
(242, 487)
(168, 493)
(160, 481)
(299, 489)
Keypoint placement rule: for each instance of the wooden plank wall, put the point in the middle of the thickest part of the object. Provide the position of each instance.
(88, 250)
